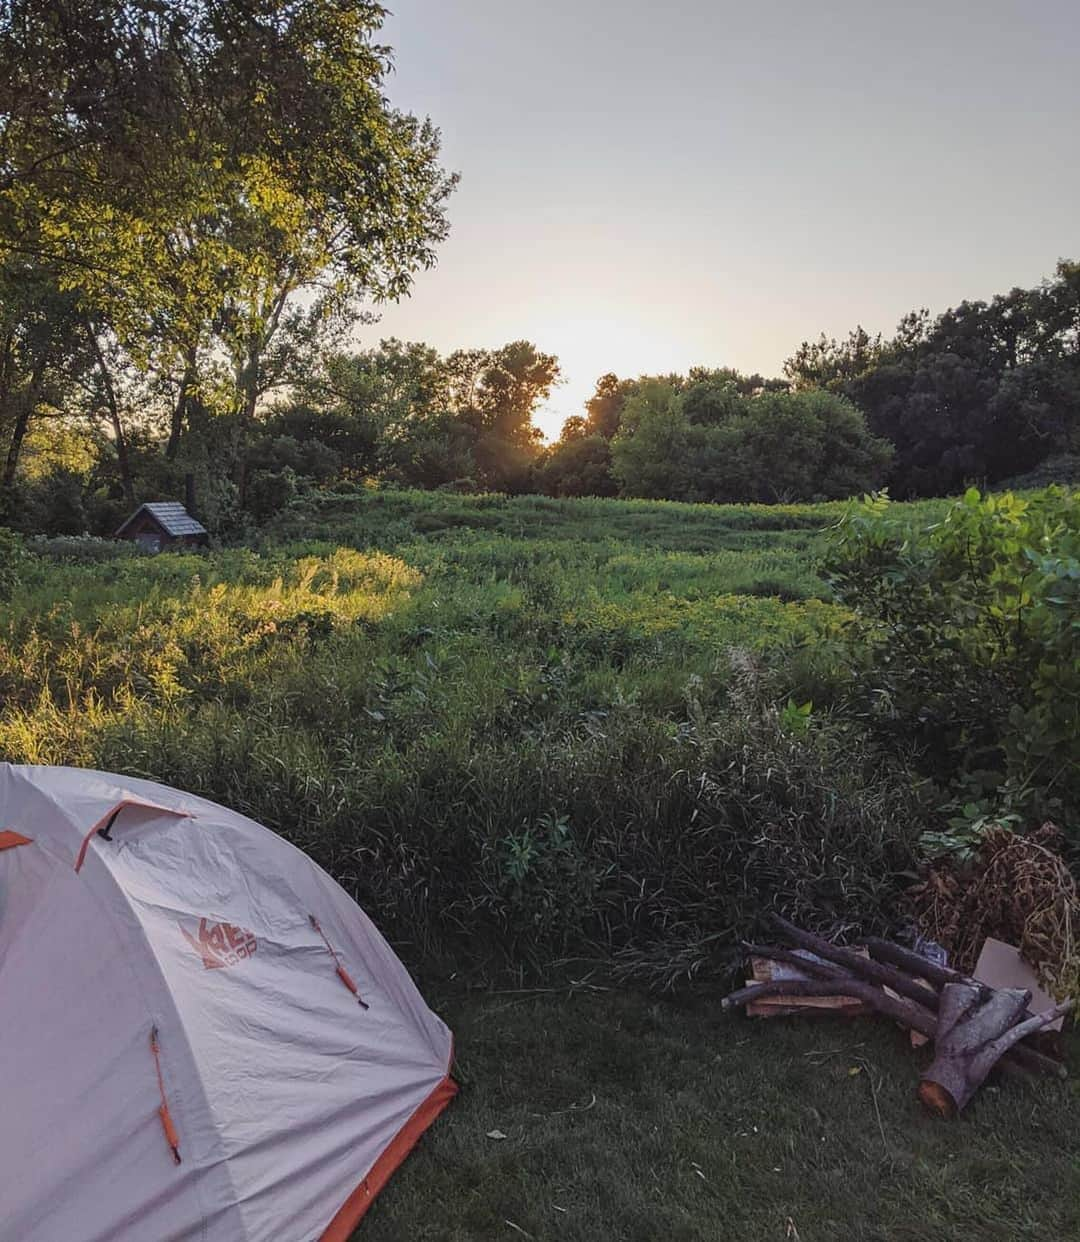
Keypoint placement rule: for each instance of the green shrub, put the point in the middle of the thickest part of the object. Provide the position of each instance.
(53, 504)
(270, 491)
(776, 587)
(973, 639)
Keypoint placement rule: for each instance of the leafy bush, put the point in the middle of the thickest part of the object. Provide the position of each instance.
(971, 624)
(577, 465)
(270, 491)
(726, 446)
(53, 504)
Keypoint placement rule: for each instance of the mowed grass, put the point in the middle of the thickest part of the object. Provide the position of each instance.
(630, 1119)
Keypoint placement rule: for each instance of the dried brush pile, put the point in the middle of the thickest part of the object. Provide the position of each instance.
(1018, 889)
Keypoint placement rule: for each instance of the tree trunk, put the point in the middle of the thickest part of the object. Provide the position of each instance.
(18, 434)
(122, 457)
(973, 1034)
(24, 410)
(248, 384)
(180, 409)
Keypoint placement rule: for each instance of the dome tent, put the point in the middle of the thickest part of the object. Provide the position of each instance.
(203, 1036)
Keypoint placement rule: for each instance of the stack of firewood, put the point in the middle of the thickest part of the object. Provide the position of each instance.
(973, 1026)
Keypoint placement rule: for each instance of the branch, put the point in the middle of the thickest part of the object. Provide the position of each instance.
(903, 1011)
(867, 968)
(1006, 1043)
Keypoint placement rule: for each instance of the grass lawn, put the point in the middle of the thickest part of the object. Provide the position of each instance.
(630, 1118)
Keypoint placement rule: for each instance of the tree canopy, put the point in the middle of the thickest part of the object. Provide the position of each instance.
(218, 186)
(983, 392)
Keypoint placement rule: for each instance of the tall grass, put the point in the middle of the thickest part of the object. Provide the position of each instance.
(510, 747)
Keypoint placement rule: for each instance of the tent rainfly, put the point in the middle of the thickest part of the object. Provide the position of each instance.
(203, 1035)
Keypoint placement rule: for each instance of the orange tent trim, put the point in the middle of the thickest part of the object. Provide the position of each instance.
(9, 839)
(352, 1210)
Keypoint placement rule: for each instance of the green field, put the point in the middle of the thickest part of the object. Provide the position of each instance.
(492, 719)
(537, 738)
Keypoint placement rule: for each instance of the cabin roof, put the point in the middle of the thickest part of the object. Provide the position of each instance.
(171, 516)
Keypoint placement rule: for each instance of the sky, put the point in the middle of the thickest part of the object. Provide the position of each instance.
(649, 187)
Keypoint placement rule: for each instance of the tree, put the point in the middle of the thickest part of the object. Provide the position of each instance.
(496, 393)
(805, 446)
(985, 391)
(649, 453)
(501, 389)
(710, 398)
(191, 169)
(709, 442)
(828, 363)
(41, 353)
(577, 464)
(603, 410)
(388, 388)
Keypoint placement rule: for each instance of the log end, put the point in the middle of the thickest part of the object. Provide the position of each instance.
(936, 1100)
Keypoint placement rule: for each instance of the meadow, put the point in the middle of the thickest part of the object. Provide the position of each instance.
(505, 725)
(562, 752)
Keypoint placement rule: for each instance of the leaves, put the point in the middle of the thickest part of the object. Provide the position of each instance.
(708, 439)
(188, 206)
(971, 625)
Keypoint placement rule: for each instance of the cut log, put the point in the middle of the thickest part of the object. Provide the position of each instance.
(893, 966)
(1040, 1056)
(973, 1033)
(974, 1026)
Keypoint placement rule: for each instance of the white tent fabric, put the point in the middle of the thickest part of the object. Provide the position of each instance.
(201, 1035)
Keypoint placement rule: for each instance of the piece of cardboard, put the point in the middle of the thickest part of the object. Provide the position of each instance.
(1001, 966)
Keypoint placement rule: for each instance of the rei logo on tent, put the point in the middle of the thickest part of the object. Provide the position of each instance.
(220, 944)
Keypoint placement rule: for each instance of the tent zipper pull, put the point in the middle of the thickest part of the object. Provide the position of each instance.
(171, 1137)
(342, 973)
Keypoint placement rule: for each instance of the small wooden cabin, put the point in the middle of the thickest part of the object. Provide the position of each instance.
(163, 524)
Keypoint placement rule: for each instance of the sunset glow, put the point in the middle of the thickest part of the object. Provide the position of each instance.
(735, 179)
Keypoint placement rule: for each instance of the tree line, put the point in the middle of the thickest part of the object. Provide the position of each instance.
(199, 203)
(980, 393)
(196, 200)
